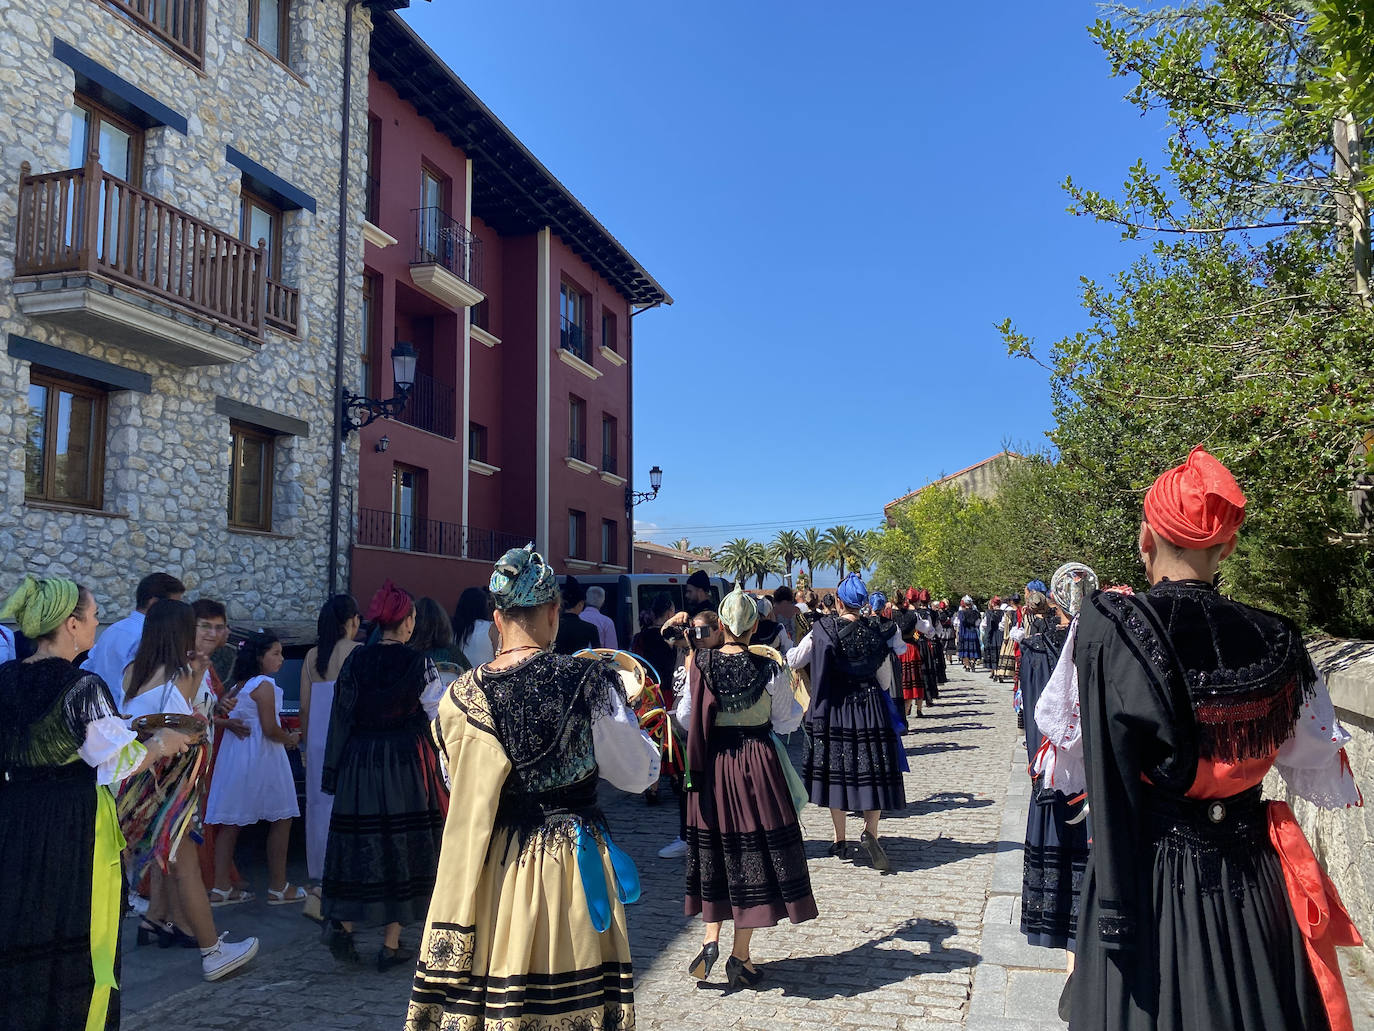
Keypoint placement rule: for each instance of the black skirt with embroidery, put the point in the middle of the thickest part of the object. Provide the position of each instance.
(853, 761)
(746, 860)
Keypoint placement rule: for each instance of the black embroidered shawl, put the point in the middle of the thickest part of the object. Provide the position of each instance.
(44, 709)
(378, 689)
(845, 655)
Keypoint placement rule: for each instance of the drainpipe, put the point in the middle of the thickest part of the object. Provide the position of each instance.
(340, 313)
(630, 436)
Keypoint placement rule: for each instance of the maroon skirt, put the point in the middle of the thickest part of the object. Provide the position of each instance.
(746, 860)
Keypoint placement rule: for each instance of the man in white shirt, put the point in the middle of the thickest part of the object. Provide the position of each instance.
(591, 613)
(117, 645)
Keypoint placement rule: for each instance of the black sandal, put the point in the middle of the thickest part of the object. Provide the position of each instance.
(149, 932)
(739, 975)
(388, 958)
(700, 968)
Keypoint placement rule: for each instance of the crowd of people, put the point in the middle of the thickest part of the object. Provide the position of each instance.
(452, 767)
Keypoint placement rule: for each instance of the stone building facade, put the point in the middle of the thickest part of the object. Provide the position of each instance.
(167, 388)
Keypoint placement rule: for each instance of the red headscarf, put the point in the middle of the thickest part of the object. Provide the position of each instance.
(1197, 504)
(390, 605)
(912, 596)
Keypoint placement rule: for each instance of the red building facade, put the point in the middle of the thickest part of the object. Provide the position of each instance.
(518, 304)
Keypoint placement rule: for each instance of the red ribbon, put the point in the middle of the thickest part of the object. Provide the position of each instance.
(1318, 909)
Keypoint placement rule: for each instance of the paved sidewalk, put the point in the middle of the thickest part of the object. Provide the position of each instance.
(901, 951)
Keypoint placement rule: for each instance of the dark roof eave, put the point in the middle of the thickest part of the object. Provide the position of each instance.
(512, 190)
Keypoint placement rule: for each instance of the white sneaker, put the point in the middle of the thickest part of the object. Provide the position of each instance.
(675, 849)
(226, 957)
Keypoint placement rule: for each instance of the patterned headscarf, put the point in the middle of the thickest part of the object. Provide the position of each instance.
(852, 591)
(40, 604)
(1037, 585)
(738, 612)
(1069, 590)
(1197, 504)
(522, 580)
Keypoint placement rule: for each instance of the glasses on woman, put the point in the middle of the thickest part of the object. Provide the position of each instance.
(212, 628)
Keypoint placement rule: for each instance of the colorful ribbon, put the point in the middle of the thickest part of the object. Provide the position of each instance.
(107, 884)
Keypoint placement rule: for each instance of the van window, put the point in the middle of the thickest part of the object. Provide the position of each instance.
(648, 592)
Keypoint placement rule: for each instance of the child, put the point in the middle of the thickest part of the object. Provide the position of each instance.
(253, 775)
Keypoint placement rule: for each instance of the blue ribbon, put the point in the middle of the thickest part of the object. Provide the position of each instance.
(589, 864)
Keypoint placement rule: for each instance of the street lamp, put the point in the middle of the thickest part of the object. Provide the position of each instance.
(633, 498)
(360, 410)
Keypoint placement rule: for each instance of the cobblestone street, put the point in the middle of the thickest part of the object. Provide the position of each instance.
(933, 944)
(893, 951)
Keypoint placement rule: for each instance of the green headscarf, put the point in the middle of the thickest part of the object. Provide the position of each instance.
(738, 612)
(40, 604)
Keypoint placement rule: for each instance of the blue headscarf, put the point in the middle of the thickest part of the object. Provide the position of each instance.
(522, 580)
(877, 601)
(852, 591)
(1038, 585)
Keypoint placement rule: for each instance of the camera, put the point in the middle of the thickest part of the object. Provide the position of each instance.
(698, 633)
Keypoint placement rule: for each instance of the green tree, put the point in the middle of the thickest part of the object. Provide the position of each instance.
(840, 547)
(811, 550)
(736, 558)
(1245, 326)
(762, 562)
(787, 547)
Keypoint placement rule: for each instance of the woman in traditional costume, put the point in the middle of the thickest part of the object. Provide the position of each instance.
(380, 765)
(1009, 656)
(1056, 848)
(159, 809)
(852, 757)
(62, 746)
(527, 927)
(746, 860)
(1203, 906)
(966, 624)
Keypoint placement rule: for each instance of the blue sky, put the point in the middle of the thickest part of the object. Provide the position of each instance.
(842, 207)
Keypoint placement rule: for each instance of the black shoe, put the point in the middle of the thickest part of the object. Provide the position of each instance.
(651, 796)
(840, 849)
(340, 943)
(700, 967)
(876, 855)
(388, 958)
(739, 975)
(149, 932)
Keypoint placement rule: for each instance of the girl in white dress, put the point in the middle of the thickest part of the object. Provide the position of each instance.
(253, 774)
(337, 628)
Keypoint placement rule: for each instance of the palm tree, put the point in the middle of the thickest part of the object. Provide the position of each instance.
(736, 558)
(811, 549)
(840, 548)
(681, 544)
(763, 562)
(786, 546)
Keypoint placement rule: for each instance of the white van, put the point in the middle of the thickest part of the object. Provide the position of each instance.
(629, 594)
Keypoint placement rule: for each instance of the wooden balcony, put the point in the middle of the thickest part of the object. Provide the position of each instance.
(91, 247)
(179, 24)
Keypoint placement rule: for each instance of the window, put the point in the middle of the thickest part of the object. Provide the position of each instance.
(252, 453)
(369, 335)
(407, 527)
(609, 437)
(267, 26)
(608, 337)
(64, 453)
(117, 143)
(609, 540)
(436, 244)
(572, 305)
(577, 534)
(477, 442)
(261, 220)
(577, 428)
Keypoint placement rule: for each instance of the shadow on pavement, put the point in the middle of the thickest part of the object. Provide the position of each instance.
(939, 746)
(870, 966)
(944, 800)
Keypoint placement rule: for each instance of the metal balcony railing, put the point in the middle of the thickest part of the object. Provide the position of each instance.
(608, 463)
(381, 529)
(577, 449)
(573, 338)
(430, 406)
(442, 240)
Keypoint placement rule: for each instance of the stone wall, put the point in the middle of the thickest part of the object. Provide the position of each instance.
(167, 452)
(1344, 839)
